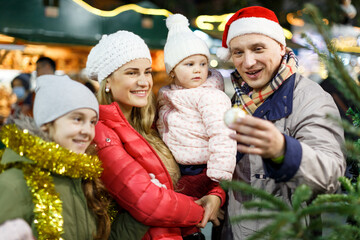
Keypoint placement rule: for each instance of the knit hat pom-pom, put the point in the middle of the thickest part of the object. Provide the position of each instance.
(177, 20)
(223, 53)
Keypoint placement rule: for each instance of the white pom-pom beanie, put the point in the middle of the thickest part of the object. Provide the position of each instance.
(113, 51)
(250, 20)
(181, 42)
(59, 95)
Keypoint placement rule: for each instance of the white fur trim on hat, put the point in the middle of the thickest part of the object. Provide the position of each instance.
(223, 53)
(256, 25)
(181, 42)
(113, 51)
(59, 95)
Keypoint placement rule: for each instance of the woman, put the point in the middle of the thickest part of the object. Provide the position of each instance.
(139, 170)
(45, 177)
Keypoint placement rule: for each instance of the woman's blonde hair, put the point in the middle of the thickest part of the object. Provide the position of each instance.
(142, 120)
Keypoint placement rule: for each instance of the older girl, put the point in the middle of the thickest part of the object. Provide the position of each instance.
(46, 179)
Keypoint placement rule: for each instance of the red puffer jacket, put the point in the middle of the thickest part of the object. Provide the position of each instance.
(128, 159)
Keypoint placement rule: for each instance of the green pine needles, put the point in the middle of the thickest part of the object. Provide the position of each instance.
(302, 219)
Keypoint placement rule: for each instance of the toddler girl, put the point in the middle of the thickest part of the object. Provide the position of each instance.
(191, 112)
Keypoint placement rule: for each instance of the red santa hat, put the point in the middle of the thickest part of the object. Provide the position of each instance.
(250, 20)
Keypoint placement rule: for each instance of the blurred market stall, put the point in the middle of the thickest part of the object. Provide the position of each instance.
(66, 30)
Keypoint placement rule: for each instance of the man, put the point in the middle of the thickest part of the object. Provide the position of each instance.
(286, 139)
(45, 65)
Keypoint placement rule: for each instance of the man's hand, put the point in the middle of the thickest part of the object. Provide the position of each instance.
(258, 136)
(211, 205)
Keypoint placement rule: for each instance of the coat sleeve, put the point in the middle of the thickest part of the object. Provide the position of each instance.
(216, 190)
(222, 161)
(15, 197)
(313, 145)
(130, 184)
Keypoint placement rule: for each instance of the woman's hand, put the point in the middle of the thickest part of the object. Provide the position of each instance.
(211, 205)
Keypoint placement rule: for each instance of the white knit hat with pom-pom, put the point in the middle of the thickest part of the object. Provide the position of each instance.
(113, 51)
(181, 42)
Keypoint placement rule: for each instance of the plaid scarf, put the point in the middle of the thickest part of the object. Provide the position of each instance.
(251, 99)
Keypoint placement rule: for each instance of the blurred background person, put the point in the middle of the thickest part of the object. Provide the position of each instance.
(21, 88)
(92, 85)
(7, 99)
(349, 12)
(45, 65)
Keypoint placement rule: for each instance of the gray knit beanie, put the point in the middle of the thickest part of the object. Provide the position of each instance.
(113, 51)
(59, 95)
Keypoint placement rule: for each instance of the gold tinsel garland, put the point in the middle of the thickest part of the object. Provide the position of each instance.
(48, 206)
(48, 157)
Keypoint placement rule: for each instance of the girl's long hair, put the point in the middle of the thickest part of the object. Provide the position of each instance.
(98, 201)
(142, 120)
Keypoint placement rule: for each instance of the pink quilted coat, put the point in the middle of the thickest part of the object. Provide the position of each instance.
(191, 124)
(128, 159)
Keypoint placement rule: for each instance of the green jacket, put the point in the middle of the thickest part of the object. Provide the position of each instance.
(16, 200)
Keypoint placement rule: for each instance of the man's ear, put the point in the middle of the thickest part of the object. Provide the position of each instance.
(282, 49)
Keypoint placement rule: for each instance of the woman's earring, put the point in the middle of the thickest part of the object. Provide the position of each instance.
(107, 90)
